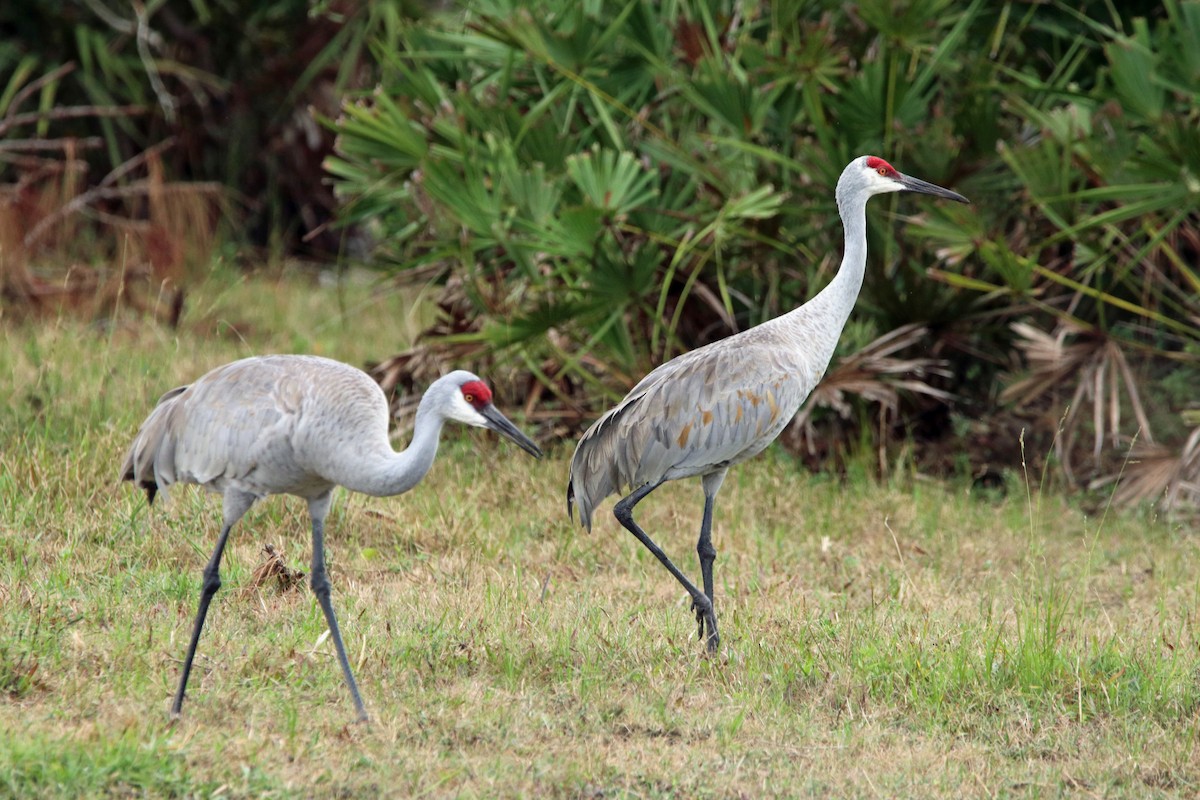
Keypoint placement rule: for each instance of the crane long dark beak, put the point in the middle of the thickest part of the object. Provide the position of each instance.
(912, 184)
(500, 424)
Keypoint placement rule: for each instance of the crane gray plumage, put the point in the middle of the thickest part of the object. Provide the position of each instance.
(296, 425)
(706, 410)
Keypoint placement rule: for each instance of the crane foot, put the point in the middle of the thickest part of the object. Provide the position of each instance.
(706, 617)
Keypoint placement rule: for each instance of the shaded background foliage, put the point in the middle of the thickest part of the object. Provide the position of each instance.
(230, 87)
(598, 186)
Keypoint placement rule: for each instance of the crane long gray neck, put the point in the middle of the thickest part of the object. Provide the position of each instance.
(388, 473)
(817, 325)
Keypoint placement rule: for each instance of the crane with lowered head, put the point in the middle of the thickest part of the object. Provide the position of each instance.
(709, 409)
(300, 425)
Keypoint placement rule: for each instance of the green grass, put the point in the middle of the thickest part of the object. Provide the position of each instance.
(910, 639)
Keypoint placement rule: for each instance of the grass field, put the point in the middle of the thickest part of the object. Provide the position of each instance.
(910, 639)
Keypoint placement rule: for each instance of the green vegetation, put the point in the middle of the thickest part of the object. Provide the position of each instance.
(904, 638)
(611, 183)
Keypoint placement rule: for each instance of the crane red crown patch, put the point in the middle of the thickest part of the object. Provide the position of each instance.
(477, 393)
(877, 163)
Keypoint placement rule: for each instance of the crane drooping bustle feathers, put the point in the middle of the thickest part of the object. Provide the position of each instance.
(144, 455)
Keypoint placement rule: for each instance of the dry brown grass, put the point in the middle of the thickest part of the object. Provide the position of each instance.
(55, 227)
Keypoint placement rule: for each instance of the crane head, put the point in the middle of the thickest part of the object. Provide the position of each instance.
(871, 175)
(470, 402)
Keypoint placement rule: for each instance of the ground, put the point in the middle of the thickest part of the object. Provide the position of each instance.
(906, 638)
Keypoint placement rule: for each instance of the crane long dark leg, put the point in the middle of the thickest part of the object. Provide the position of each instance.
(318, 508)
(708, 554)
(701, 602)
(236, 505)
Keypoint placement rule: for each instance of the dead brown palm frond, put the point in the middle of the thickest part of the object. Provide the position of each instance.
(1157, 472)
(1093, 367)
(405, 375)
(875, 374)
(274, 567)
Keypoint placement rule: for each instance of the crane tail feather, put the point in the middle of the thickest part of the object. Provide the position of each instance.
(598, 467)
(150, 461)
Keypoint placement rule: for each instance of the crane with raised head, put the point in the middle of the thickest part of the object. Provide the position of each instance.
(704, 411)
(299, 425)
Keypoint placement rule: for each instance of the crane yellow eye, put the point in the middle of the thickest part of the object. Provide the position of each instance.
(470, 398)
(882, 171)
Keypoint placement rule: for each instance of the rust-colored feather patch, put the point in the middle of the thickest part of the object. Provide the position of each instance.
(683, 435)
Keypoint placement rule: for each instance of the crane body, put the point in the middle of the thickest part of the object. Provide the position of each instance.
(299, 425)
(709, 409)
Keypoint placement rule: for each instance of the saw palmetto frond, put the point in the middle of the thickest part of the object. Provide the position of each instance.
(1155, 472)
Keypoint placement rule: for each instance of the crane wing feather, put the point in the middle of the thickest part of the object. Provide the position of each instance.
(696, 414)
(236, 424)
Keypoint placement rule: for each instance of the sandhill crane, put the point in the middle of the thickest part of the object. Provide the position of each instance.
(719, 405)
(299, 425)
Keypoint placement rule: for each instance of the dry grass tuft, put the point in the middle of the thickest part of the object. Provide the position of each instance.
(52, 220)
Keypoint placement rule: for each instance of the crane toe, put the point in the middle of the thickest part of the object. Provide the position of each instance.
(706, 617)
